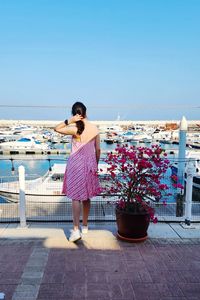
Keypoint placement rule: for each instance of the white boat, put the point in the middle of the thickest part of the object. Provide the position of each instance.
(163, 136)
(195, 156)
(43, 189)
(193, 138)
(128, 136)
(142, 137)
(22, 129)
(24, 143)
(113, 138)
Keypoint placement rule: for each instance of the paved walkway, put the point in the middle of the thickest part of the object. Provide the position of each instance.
(39, 263)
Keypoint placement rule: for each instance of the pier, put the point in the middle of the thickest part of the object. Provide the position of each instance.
(35, 152)
(5, 153)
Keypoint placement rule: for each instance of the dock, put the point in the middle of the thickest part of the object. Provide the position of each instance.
(35, 152)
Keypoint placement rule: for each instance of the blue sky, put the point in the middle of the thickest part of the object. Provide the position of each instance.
(140, 59)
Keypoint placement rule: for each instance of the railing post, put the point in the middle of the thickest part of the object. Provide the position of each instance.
(181, 166)
(189, 185)
(22, 200)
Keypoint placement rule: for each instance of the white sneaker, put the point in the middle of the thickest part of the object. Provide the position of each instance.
(75, 235)
(84, 229)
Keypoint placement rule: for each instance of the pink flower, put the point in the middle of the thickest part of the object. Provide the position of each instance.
(164, 203)
(136, 174)
(155, 220)
(163, 187)
(174, 178)
(178, 186)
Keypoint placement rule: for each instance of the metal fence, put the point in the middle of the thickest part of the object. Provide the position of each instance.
(102, 209)
(49, 205)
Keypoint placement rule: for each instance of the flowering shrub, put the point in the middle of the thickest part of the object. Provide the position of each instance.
(135, 175)
(176, 184)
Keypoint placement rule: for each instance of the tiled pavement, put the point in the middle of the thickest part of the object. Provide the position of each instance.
(39, 263)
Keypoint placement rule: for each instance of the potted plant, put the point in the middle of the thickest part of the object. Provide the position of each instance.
(136, 176)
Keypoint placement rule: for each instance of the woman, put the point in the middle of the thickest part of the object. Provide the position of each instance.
(80, 180)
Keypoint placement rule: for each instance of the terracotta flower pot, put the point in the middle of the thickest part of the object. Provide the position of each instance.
(132, 227)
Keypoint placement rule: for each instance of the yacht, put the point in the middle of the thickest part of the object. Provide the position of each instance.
(142, 137)
(24, 143)
(194, 156)
(22, 129)
(128, 136)
(46, 188)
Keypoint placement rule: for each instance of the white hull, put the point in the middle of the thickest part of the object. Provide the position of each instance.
(24, 144)
(14, 197)
(43, 189)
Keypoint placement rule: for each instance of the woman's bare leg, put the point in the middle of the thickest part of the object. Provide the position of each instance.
(86, 211)
(76, 210)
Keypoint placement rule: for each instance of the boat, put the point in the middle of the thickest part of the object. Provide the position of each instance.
(194, 156)
(142, 137)
(22, 129)
(112, 138)
(128, 136)
(24, 143)
(46, 188)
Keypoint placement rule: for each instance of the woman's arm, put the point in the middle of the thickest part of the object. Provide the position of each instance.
(97, 148)
(66, 129)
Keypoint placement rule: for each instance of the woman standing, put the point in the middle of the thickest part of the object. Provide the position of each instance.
(81, 180)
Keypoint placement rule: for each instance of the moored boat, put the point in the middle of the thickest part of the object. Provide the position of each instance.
(24, 143)
(42, 189)
(195, 156)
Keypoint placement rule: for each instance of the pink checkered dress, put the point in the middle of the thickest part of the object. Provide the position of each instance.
(80, 179)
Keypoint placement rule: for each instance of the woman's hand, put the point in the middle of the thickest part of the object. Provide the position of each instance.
(75, 119)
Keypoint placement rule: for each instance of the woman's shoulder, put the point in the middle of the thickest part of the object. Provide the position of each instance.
(90, 131)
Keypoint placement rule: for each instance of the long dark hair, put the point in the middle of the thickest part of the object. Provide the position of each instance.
(80, 109)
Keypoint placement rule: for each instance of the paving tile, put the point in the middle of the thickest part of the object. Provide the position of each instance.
(115, 291)
(172, 298)
(98, 277)
(109, 267)
(145, 275)
(135, 277)
(144, 290)
(49, 277)
(184, 233)
(98, 290)
(189, 277)
(166, 290)
(156, 264)
(127, 289)
(10, 277)
(52, 291)
(73, 277)
(79, 290)
(134, 265)
(175, 290)
(165, 276)
(30, 288)
(132, 254)
(162, 230)
(118, 277)
(190, 289)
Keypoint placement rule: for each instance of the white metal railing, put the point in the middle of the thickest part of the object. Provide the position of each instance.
(102, 205)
